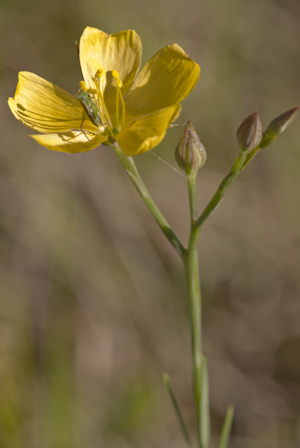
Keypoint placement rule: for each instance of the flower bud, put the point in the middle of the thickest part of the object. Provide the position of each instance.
(190, 154)
(278, 126)
(249, 133)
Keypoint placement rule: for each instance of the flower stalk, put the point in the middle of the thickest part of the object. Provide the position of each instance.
(223, 187)
(135, 177)
(190, 262)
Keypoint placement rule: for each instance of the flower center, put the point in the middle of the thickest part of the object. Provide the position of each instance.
(111, 110)
(91, 110)
(100, 100)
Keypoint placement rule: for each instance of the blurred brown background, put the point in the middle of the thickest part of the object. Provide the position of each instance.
(93, 304)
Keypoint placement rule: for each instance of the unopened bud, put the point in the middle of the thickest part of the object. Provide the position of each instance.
(278, 126)
(190, 154)
(249, 133)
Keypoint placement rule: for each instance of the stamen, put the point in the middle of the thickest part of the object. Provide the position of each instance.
(99, 73)
(93, 91)
(120, 105)
(100, 100)
(83, 86)
(116, 76)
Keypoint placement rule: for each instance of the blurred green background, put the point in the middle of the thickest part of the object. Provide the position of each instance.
(93, 304)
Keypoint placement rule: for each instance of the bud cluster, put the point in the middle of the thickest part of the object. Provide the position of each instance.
(250, 134)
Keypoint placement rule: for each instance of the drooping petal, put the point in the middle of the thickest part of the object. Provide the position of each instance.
(45, 107)
(121, 52)
(148, 131)
(71, 142)
(167, 78)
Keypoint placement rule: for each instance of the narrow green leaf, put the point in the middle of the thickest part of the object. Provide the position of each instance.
(226, 428)
(204, 404)
(176, 408)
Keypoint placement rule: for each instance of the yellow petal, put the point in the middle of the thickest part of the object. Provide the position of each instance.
(121, 52)
(148, 131)
(70, 142)
(166, 79)
(45, 107)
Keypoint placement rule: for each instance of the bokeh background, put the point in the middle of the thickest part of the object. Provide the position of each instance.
(93, 305)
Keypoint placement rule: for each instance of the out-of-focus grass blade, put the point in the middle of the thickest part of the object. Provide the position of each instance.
(223, 443)
(204, 403)
(176, 407)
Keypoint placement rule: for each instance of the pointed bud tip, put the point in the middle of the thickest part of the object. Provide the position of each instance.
(249, 134)
(283, 121)
(278, 126)
(190, 154)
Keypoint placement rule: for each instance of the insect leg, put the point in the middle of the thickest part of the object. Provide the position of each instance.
(84, 116)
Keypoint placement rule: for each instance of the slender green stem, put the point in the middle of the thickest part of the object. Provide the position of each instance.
(134, 175)
(218, 196)
(191, 179)
(192, 277)
(190, 260)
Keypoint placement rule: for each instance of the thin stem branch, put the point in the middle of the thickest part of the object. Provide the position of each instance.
(250, 156)
(134, 175)
(223, 187)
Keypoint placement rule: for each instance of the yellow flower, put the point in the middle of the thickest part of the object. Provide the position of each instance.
(135, 109)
